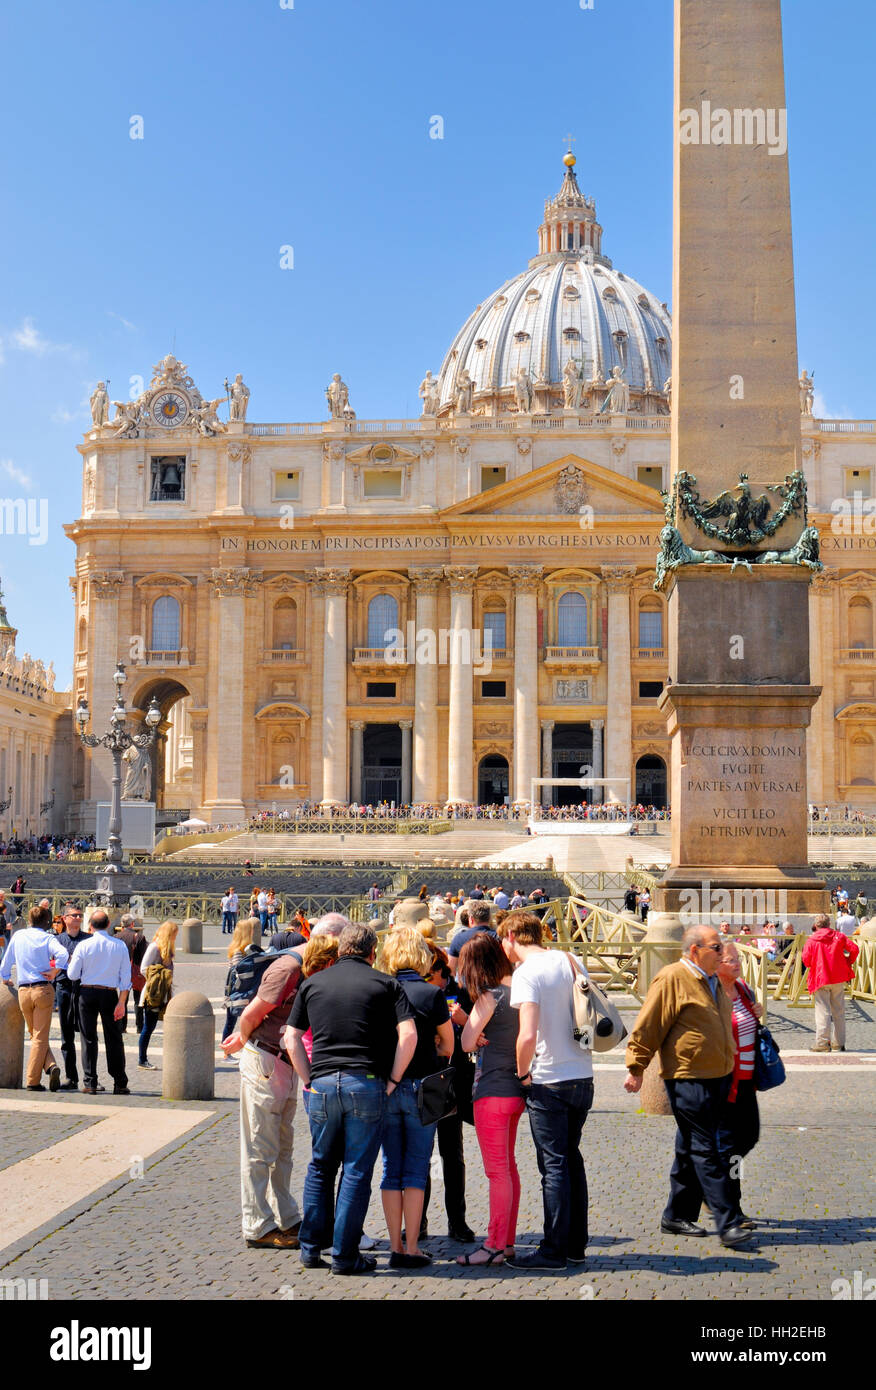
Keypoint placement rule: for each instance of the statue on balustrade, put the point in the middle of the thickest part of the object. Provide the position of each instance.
(138, 779)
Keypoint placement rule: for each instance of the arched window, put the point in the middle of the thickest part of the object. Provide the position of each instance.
(82, 646)
(382, 619)
(651, 625)
(285, 629)
(494, 624)
(165, 624)
(572, 620)
(860, 623)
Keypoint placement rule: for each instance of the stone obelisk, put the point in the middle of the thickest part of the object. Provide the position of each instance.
(736, 555)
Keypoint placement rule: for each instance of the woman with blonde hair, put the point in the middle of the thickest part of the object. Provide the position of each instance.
(243, 943)
(160, 952)
(407, 1143)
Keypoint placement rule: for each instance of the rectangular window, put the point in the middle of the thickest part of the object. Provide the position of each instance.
(492, 477)
(167, 478)
(380, 690)
(859, 480)
(494, 690)
(494, 624)
(382, 482)
(649, 690)
(651, 630)
(287, 487)
(651, 475)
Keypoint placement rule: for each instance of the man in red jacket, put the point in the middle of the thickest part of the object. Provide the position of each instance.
(830, 957)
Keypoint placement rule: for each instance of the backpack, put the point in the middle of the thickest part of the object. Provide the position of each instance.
(245, 976)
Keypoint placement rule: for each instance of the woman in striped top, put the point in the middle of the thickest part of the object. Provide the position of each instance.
(739, 1127)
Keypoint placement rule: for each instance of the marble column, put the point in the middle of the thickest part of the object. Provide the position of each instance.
(226, 762)
(821, 734)
(619, 722)
(105, 587)
(425, 764)
(597, 726)
(406, 725)
(334, 687)
(526, 579)
(547, 755)
(460, 751)
(358, 727)
(199, 722)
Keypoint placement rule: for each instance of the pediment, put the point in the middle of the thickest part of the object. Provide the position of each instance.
(288, 710)
(561, 489)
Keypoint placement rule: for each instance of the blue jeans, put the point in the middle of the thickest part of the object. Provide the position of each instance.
(229, 922)
(150, 1023)
(345, 1110)
(556, 1118)
(263, 922)
(407, 1144)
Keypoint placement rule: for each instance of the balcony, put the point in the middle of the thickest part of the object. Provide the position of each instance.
(272, 655)
(572, 658)
(182, 657)
(649, 653)
(379, 658)
(858, 654)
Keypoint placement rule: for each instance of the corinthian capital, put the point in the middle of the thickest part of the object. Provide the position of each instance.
(822, 582)
(526, 578)
(235, 581)
(107, 583)
(618, 578)
(462, 577)
(426, 578)
(329, 581)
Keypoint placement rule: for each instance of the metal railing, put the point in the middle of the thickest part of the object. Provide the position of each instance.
(349, 825)
(589, 654)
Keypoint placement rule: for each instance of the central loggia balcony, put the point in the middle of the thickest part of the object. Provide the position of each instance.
(572, 658)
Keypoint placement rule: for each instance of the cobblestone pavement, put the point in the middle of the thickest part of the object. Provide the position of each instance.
(174, 1233)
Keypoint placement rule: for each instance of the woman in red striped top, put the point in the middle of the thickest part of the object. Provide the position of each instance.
(739, 1127)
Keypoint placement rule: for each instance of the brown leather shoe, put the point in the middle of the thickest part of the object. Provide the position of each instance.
(274, 1240)
(291, 1234)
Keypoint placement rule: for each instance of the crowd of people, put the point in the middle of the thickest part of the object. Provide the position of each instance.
(395, 1053)
(389, 810)
(51, 847)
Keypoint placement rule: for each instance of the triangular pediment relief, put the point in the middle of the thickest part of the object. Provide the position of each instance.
(860, 579)
(857, 709)
(560, 489)
(381, 455)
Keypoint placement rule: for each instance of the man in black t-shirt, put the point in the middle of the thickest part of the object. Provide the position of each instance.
(286, 938)
(364, 1037)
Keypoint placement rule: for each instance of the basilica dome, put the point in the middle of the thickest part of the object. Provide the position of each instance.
(569, 304)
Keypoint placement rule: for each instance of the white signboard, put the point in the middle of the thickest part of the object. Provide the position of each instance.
(138, 825)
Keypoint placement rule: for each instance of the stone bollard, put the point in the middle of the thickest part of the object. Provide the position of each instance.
(192, 936)
(11, 1040)
(189, 1048)
(653, 1095)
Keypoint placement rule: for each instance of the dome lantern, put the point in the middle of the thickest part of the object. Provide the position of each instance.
(570, 226)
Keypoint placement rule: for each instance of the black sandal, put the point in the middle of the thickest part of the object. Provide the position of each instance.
(480, 1264)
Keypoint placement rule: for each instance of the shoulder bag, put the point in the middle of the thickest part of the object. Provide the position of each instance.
(598, 1026)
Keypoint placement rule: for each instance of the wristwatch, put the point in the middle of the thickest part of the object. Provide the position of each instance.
(526, 1075)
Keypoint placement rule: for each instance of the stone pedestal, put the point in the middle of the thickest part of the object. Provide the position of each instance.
(189, 1045)
(192, 936)
(11, 1040)
(738, 707)
(653, 1095)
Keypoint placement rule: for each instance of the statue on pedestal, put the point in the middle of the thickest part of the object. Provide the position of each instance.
(337, 393)
(617, 402)
(464, 391)
(572, 385)
(138, 780)
(238, 398)
(523, 390)
(99, 404)
(429, 394)
(807, 392)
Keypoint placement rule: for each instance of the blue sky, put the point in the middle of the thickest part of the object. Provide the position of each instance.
(265, 126)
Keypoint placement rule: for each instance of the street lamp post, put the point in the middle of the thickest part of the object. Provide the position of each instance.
(4, 805)
(114, 881)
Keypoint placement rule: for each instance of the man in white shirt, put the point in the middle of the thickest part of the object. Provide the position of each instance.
(102, 966)
(262, 910)
(37, 956)
(558, 1079)
(230, 908)
(845, 921)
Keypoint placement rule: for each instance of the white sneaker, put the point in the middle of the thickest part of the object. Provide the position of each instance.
(367, 1242)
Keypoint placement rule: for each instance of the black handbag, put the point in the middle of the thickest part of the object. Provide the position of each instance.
(769, 1069)
(436, 1096)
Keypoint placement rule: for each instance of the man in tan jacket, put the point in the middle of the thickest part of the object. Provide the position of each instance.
(687, 1018)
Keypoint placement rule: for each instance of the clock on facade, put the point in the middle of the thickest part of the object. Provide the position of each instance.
(169, 408)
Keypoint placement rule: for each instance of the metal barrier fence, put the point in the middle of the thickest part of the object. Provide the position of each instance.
(348, 825)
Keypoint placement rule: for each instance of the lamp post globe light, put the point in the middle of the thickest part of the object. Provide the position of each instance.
(113, 880)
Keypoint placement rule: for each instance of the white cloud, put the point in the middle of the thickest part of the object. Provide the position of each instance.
(28, 338)
(126, 323)
(16, 474)
(820, 410)
(61, 416)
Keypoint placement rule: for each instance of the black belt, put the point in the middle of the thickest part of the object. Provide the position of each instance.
(35, 984)
(274, 1051)
(112, 989)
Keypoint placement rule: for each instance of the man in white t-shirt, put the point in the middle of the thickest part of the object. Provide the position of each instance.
(845, 921)
(557, 1076)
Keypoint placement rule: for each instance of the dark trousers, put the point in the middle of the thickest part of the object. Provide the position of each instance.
(449, 1135)
(67, 997)
(100, 1004)
(556, 1118)
(699, 1173)
(150, 1023)
(738, 1132)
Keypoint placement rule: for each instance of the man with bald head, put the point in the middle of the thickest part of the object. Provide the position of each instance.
(687, 1019)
